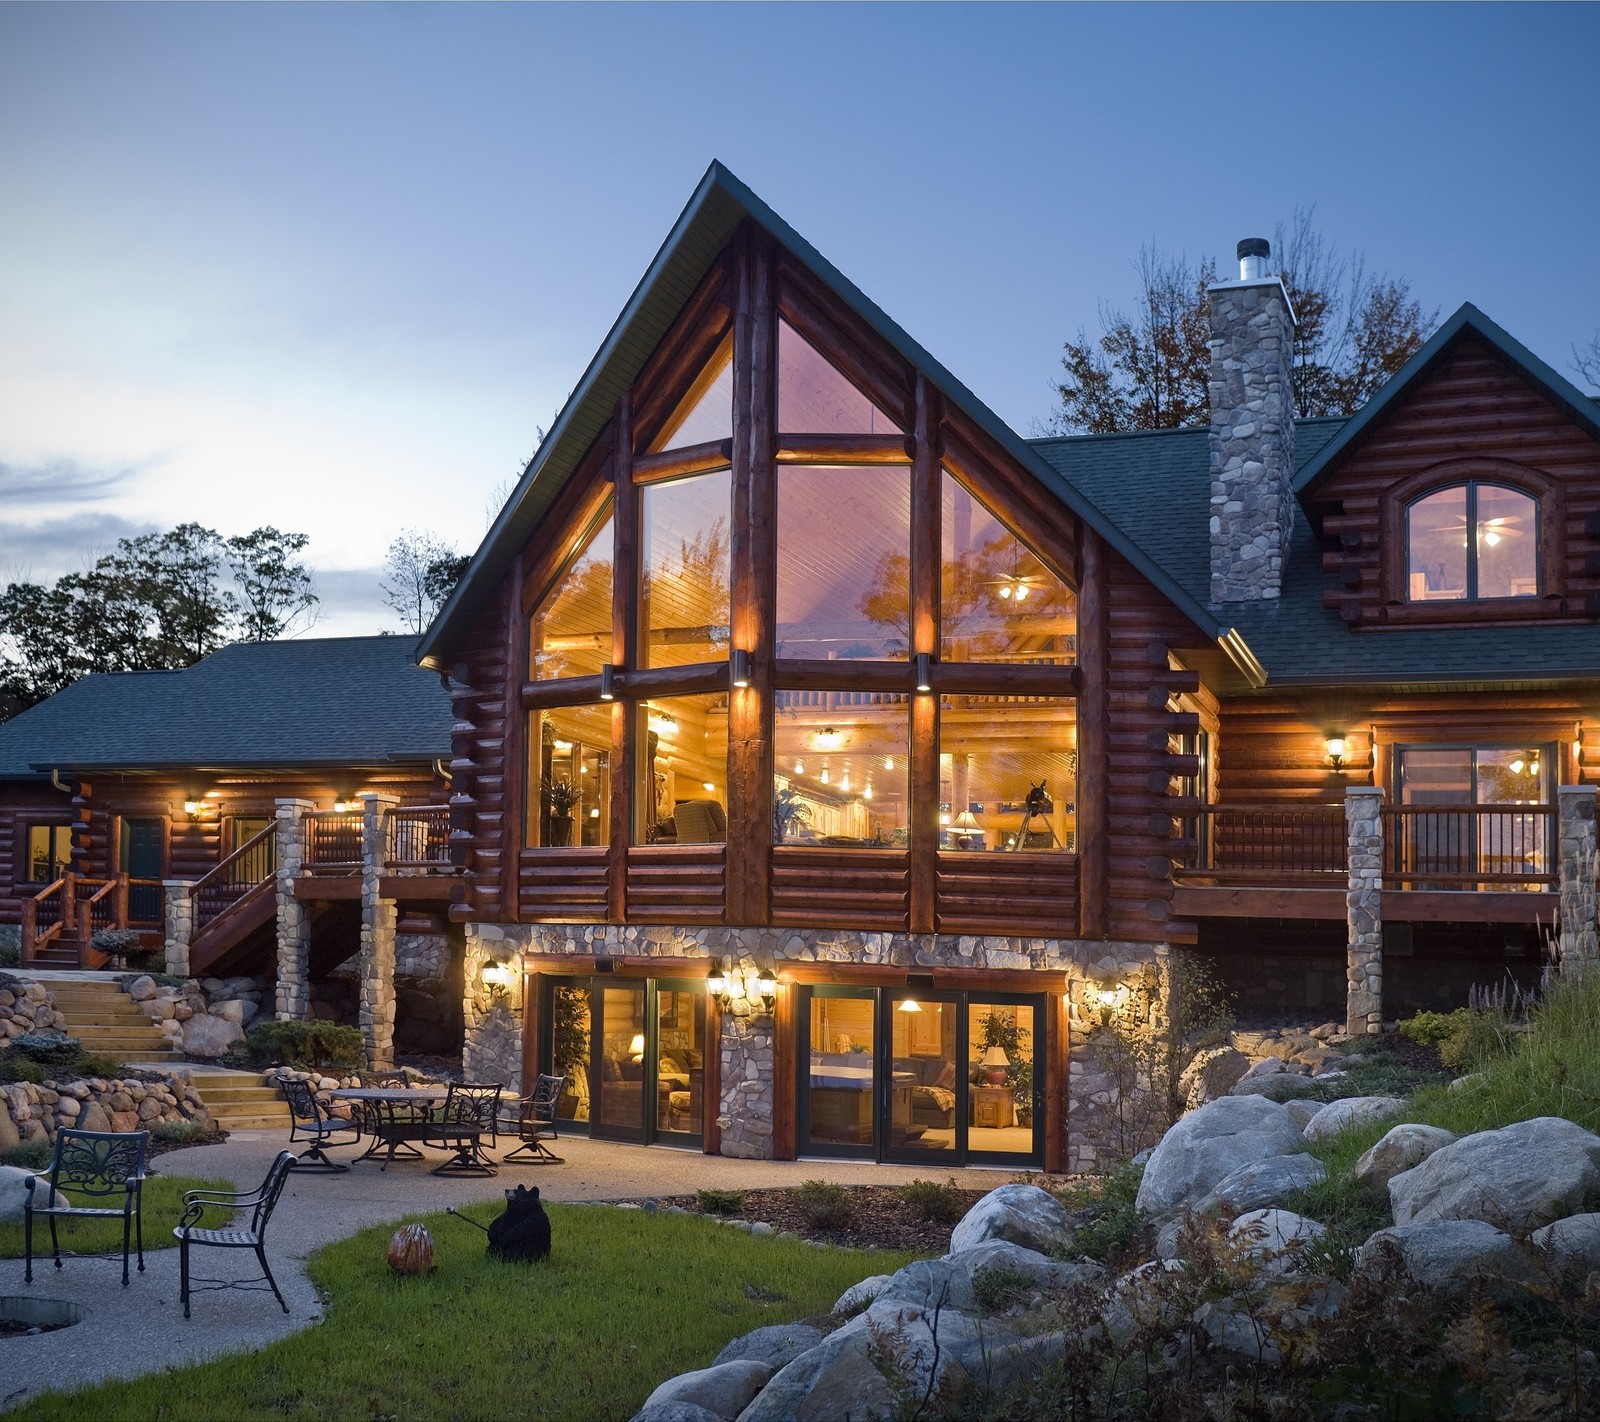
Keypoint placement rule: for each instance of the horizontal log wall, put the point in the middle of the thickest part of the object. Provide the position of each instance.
(1472, 410)
(845, 888)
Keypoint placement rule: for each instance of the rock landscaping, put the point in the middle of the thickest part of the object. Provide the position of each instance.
(36, 1111)
(25, 1007)
(203, 1017)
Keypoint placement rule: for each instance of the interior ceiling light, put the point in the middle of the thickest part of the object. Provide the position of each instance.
(867, 793)
(799, 767)
(888, 762)
(828, 739)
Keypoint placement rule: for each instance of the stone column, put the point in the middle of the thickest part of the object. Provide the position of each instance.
(294, 919)
(378, 917)
(180, 924)
(1363, 818)
(492, 1021)
(1575, 870)
(748, 1075)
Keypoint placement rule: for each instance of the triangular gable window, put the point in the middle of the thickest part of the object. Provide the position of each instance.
(570, 631)
(1000, 603)
(706, 411)
(813, 398)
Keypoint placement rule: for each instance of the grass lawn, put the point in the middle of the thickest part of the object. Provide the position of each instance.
(626, 1300)
(161, 1204)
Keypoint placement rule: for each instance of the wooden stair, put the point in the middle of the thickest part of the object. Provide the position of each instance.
(106, 1020)
(238, 1101)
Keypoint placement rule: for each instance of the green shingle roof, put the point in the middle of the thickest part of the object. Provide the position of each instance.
(314, 701)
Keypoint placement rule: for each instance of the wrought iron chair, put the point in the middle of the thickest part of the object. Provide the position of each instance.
(470, 1113)
(536, 1121)
(253, 1235)
(308, 1121)
(99, 1165)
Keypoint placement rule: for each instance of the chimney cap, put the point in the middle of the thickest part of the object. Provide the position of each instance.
(1253, 247)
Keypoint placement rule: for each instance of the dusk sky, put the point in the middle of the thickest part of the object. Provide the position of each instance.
(330, 267)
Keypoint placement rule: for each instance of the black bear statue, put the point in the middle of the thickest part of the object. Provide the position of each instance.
(522, 1234)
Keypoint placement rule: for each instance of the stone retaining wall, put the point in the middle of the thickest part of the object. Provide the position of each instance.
(26, 1006)
(204, 1016)
(35, 1112)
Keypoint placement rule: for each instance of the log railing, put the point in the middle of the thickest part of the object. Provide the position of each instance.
(1469, 846)
(216, 891)
(417, 838)
(1268, 843)
(104, 906)
(333, 841)
(45, 915)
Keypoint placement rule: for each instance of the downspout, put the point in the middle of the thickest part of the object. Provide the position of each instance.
(55, 779)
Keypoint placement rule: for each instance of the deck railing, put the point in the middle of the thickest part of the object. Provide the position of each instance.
(1463, 847)
(1469, 846)
(74, 908)
(417, 837)
(44, 915)
(252, 863)
(1270, 842)
(333, 840)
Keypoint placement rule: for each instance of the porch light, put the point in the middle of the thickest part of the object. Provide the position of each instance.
(909, 1004)
(924, 671)
(608, 682)
(767, 989)
(739, 670)
(496, 974)
(717, 981)
(344, 807)
(192, 809)
(1336, 752)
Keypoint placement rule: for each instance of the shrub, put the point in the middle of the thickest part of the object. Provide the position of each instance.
(998, 1288)
(823, 1205)
(48, 1048)
(95, 1064)
(719, 1202)
(10, 954)
(1428, 1029)
(1468, 1038)
(303, 1044)
(16, 1067)
(36, 1155)
(1108, 1224)
(179, 1132)
(942, 1204)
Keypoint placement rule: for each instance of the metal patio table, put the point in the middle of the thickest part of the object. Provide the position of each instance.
(394, 1116)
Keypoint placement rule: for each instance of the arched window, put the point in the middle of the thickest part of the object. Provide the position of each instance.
(1472, 541)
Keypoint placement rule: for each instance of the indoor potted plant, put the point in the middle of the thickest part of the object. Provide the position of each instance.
(561, 798)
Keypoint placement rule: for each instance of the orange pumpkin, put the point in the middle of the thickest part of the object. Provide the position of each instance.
(411, 1250)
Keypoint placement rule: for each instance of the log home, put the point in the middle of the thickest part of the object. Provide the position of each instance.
(220, 811)
(825, 752)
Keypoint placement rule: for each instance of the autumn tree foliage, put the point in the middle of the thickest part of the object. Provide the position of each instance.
(1149, 368)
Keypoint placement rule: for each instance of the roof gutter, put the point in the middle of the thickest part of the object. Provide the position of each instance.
(1245, 662)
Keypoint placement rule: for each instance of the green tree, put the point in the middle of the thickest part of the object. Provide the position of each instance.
(1150, 369)
(273, 590)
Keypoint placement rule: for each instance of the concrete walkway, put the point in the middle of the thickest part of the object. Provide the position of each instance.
(141, 1329)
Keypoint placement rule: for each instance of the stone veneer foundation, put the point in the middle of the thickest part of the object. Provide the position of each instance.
(493, 1020)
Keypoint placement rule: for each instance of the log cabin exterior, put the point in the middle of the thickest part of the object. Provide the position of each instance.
(824, 751)
(125, 790)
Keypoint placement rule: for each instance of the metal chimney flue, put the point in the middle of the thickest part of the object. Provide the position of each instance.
(1253, 253)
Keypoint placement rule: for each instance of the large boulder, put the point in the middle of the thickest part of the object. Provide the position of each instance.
(775, 1345)
(1570, 1248)
(1211, 1074)
(676, 1412)
(1452, 1257)
(1003, 1257)
(845, 1375)
(1276, 1239)
(724, 1389)
(930, 1284)
(1207, 1146)
(208, 1036)
(1518, 1177)
(859, 1295)
(1024, 1214)
(142, 987)
(1351, 1111)
(14, 1194)
(1263, 1184)
(1279, 1086)
(1404, 1146)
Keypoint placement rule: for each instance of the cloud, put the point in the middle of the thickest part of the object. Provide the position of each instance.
(62, 480)
(351, 602)
(41, 552)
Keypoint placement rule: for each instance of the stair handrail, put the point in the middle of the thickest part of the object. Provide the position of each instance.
(32, 939)
(219, 887)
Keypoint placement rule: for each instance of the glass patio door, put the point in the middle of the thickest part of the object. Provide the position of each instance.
(677, 1052)
(838, 1072)
(619, 1066)
(924, 1090)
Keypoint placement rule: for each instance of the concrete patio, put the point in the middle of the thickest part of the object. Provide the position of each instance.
(141, 1329)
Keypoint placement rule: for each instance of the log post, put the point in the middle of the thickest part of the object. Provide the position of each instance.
(1094, 752)
(926, 554)
(625, 654)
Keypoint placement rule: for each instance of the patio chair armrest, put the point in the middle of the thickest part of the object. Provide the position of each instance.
(227, 1199)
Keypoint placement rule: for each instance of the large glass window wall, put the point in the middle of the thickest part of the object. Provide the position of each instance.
(1008, 773)
(841, 769)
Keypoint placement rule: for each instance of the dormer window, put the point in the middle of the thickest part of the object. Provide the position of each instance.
(1471, 542)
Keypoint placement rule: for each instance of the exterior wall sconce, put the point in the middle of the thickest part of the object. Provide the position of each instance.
(739, 667)
(924, 671)
(728, 986)
(1337, 750)
(717, 982)
(192, 808)
(497, 974)
(608, 682)
(345, 807)
(767, 989)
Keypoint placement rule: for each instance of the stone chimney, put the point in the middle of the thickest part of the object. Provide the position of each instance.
(1252, 430)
